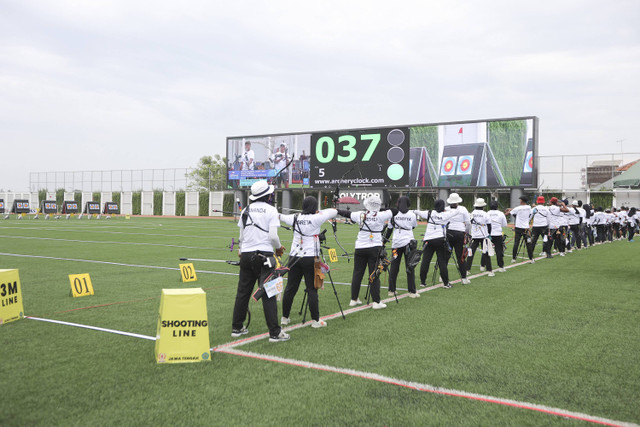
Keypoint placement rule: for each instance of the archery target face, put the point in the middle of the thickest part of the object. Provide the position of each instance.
(528, 162)
(448, 166)
(465, 165)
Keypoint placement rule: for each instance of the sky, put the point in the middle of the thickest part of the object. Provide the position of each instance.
(111, 85)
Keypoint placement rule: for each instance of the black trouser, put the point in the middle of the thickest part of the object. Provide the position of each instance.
(521, 233)
(456, 240)
(363, 258)
(632, 230)
(600, 233)
(536, 232)
(558, 238)
(583, 234)
(300, 267)
(485, 260)
(590, 234)
(576, 239)
(395, 267)
(252, 268)
(442, 255)
(498, 244)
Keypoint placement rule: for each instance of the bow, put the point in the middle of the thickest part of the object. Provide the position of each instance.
(334, 223)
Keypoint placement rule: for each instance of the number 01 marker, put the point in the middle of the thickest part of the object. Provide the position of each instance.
(80, 285)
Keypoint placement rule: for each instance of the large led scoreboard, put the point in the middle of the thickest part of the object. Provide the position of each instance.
(496, 153)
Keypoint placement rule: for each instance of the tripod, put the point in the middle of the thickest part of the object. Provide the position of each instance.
(382, 263)
(523, 245)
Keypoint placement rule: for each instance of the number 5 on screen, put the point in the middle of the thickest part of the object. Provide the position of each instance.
(188, 272)
(80, 285)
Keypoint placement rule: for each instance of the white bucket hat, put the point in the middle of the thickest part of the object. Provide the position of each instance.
(373, 203)
(260, 189)
(454, 198)
(480, 203)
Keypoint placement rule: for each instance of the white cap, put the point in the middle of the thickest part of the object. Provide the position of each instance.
(454, 198)
(479, 203)
(260, 189)
(373, 203)
(574, 203)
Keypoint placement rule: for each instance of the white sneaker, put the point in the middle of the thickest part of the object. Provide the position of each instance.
(354, 302)
(318, 324)
(285, 321)
(502, 270)
(378, 305)
(466, 281)
(491, 274)
(513, 261)
(392, 294)
(482, 269)
(282, 336)
(532, 261)
(235, 333)
(414, 295)
(561, 253)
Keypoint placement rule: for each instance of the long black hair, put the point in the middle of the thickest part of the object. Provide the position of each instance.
(309, 205)
(438, 206)
(404, 203)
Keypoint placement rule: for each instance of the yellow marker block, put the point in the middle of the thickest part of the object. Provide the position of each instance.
(10, 296)
(333, 257)
(127, 217)
(188, 273)
(80, 285)
(183, 329)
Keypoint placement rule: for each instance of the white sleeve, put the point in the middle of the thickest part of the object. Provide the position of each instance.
(273, 236)
(287, 219)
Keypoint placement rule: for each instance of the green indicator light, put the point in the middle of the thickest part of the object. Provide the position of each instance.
(395, 172)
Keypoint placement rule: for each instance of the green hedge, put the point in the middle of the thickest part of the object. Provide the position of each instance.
(136, 203)
(157, 202)
(180, 203)
(115, 198)
(77, 196)
(228, 202)
(602, 199)
(95, 197)
(60, 197)
(203, 208)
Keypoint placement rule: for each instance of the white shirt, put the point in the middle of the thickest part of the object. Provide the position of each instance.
(253, 238)
(479, 221)
(436, 222)
(280, 160)
(461, 222)
(540, 216)
(599, 218)
(307, 243)
(247, 160)
(497, 221)
(573, 216)
(403, 229)
(371, 225)
(555, 216)
(522, 214)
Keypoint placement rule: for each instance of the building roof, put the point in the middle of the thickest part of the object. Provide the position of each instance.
(629, 178)
(627, 166)
(605, 163)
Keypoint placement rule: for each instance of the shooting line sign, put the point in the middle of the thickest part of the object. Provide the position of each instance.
(183, 328)
(10, 297)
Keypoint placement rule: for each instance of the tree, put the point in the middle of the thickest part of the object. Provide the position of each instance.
(210, 174)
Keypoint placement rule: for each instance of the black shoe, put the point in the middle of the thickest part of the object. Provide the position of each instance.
(238, 332)
(447, 286)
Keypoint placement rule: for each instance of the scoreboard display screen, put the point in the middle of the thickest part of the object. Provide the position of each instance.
(495, 153)
(375, 158)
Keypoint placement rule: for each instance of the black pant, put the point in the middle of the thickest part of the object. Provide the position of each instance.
(456, 240)
(576, 239)
(252, 268)
(583, 234)
(521, 233)
(300, 267)
(498, 244)
(589, 233)
(601, 233)
(442, 255)
(395, 267)
(536, 232)
(485, 260)
(363, 258)
(558, 238)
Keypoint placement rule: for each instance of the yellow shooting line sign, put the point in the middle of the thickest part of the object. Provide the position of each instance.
(10, 296)
(183, 329)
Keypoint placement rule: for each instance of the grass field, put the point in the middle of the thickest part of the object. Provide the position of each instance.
(559, 336)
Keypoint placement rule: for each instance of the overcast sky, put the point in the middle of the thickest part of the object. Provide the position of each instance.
(99, 85)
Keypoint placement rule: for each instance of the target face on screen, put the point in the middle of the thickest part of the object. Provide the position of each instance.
(449, 166)
(465, 164)
(528, 162)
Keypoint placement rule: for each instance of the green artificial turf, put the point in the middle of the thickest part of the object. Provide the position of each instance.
(561, 332)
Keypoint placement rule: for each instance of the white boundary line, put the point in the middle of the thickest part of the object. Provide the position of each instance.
(95, 328)
(426, 387)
